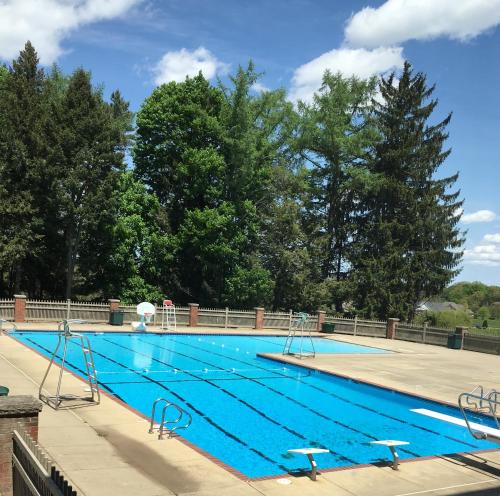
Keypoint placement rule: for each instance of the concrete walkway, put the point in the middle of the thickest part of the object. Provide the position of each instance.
(105, 449)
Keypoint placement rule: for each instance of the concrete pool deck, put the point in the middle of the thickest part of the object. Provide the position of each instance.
(105, 449)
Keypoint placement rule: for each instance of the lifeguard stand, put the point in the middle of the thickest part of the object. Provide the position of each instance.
(168, 317)
(81, 341)
(299, 332)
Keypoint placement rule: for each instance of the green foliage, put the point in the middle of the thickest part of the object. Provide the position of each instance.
(483, 313)
(447, 319)
(474, 295)
(408, 244)
(335, 137)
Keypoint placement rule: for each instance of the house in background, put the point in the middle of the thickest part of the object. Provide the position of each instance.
(441, 306)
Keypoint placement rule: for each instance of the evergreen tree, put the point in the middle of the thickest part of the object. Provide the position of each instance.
(22, 162)
(408, 244)
(89, 162)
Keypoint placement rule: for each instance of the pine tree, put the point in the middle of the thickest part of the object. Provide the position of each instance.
(22, 162)
(408, 246)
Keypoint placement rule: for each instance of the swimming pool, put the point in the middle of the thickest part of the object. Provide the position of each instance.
(249, 411)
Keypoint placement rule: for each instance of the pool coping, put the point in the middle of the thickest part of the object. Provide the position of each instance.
(228, 468)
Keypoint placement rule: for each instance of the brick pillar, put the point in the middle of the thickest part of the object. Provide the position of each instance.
(193, 314)
(259, 318)
(15, 410)
(114, 304)
(392, 325)
(19, 308)
(321, 319)
(461, 331)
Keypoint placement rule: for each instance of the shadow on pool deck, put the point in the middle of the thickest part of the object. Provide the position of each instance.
(144, 459)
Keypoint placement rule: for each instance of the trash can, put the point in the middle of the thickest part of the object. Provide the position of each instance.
(328, 327)
(455, 341)
(4, 391)
(116, 317)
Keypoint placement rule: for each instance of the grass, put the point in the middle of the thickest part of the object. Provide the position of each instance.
(493, 328)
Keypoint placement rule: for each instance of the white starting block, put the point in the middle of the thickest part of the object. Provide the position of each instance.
(309, 452)
(145, 311)
(391, 444)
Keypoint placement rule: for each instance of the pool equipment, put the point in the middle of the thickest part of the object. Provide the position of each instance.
(392, 444)
(309, 452)
(145, 310)
(299, 332)
(176, 421)
(168, 317)
(66, 336)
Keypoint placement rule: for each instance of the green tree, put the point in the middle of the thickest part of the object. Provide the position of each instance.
(408, 244)
(335, 137)
(22, 162)
(89, 160)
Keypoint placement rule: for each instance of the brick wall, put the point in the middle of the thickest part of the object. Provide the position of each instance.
(15, 410)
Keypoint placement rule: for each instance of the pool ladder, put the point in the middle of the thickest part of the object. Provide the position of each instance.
(161, 427)
(66, 335)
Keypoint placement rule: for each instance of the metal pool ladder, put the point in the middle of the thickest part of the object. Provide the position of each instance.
(65, 336)
(298, 331)
(481, 400)
(178, 422)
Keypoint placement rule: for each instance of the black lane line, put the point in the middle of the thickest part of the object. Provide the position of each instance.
(83, 372)
(248, 405)
(325, 391)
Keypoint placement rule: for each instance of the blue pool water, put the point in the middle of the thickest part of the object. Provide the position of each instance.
(248, 411)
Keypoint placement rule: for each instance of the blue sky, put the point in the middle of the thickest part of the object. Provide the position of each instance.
(134, 44)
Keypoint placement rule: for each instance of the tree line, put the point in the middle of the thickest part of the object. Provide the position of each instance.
(234, 197)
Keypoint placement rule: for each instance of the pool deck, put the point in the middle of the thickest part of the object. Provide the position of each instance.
(105, 449)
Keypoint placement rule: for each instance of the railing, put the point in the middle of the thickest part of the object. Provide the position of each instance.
(40, 310)
(33, 474)
(357, 327)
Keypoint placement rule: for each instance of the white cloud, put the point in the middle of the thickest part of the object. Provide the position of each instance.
(483, 255)
(358, 62)
(258, 87)
(47, 22)
(175, 66)
(479, 216)
(397, 21)
(492, 238)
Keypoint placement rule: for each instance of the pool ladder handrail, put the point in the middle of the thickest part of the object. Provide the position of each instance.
(299, 325)
(489, 400)
(65, 334)
(161, 426)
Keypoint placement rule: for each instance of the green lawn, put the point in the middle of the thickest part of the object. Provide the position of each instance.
(492, 330)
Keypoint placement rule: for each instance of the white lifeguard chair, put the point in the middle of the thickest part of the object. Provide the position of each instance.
(168, 317)
(145, 310)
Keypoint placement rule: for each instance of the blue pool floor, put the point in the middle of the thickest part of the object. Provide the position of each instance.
(249, 411)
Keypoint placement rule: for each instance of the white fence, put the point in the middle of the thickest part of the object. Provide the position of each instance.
(7, 309)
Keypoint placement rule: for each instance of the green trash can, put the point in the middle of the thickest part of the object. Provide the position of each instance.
(116, 317)
(455, 341)
(328, 327)
(4, 391)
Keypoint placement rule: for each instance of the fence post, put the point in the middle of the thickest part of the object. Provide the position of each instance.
(68, 309)
(259, 318)
(321, 319)
(290, 320)
(461, 331)
(114, 304)
(15, 410)
(355, 325)
(19, 308)
(424, 334)
(226, 318)
(390, 332)
(193, 314)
